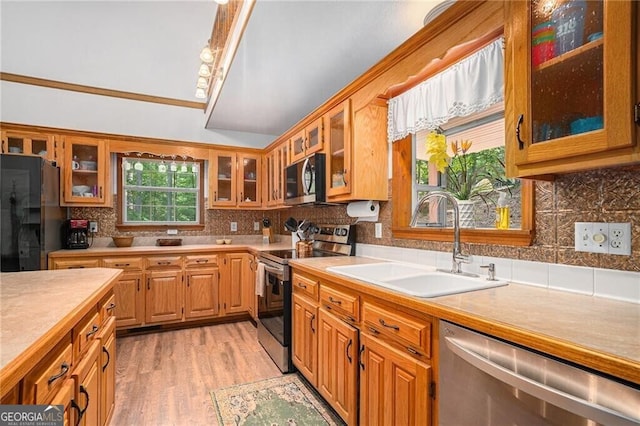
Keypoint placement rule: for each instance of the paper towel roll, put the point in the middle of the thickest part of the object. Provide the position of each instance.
(365, 211)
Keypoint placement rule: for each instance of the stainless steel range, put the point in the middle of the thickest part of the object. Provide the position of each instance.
(274, 298)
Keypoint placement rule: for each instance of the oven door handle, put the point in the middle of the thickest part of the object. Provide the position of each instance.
(273, 270)
(566, 401)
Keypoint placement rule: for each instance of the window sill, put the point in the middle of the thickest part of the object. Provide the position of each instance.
(511, 237)
(156, 227)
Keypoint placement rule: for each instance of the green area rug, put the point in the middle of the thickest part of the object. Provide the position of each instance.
(280, 401)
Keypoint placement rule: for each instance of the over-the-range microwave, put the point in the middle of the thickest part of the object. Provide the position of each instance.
(305, 181)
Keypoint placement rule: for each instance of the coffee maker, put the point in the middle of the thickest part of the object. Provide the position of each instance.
(75, 234)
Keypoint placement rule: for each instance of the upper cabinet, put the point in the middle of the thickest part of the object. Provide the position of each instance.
(307, 141)
(29, 143)
(570, 77)
(275, 162)
(85, 172)
(234, 179)
(357, 162)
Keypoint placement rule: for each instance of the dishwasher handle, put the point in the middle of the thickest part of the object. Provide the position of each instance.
(539, 390)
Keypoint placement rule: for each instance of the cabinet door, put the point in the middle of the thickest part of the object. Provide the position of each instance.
(297, 147)
(338, 136)
(393, 386)
(338, 365)
(29, 143)
(588, 46)
(270, 176)
(314, 137)
(107, 371)
(201, 295)
(249, 180)
(164, 296)
(222, 179)
(129, 294)
(305, 341)
(86, 172)
(87, 380)
(235, 293)
(250, 266)
(65, 397)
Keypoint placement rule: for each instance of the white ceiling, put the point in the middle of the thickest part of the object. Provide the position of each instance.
(293, 57)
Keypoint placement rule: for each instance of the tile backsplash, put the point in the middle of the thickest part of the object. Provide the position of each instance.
(608, 195)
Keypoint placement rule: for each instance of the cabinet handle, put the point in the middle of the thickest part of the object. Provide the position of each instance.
(360, 362)
(100, 192)
(373, 330)
(104, 350)
(344, 173)
(335, 301)
(384, 324)
(121, 265)
(64, 369)
(347, 350)
(93, 331)
(111, 306)
(163, 262)
(215, 195)
(412, 351)
(138, 280)
(202, 260)
(86, 395)
(636, 113)
(302, 285)
(520, 141)
(76, 407)
(76, 267)
(148, 283)
(241, 196)
(188, 280)
(313, 330)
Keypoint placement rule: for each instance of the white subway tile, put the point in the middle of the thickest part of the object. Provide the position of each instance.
(621, 285)
(576, 279)
(532, 273)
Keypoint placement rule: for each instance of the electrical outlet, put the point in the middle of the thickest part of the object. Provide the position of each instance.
(620, 238)
(256, 226)
(234, 226)
(378, 230)
(172, 232)
(93, 227)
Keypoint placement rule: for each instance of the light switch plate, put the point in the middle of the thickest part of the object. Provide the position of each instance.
(378, 230)
(172, 232)
(256, 226)
(234, 226)
(601, 237)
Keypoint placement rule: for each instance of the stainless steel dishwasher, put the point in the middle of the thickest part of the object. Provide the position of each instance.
(486, 381)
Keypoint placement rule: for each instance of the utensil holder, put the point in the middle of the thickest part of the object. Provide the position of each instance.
(304, 248)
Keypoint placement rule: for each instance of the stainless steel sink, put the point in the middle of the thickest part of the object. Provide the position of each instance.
(415, 280)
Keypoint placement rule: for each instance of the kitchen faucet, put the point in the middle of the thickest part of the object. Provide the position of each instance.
(458, 257)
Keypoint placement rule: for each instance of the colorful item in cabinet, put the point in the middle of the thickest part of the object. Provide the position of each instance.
(568, 20)
(542, 43)
(588, 124)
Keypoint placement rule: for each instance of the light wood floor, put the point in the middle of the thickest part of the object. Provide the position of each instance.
(165, 378)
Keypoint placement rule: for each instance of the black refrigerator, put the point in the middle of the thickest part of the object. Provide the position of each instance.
(30, 214)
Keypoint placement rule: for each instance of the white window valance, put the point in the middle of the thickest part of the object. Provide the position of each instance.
(470, 85)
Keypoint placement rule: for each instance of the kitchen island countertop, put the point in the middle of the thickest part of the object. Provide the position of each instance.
(595, 332)
(38, 307)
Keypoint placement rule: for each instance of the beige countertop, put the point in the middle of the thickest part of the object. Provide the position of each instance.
(599, 333)
(184, 249)
(37, 308)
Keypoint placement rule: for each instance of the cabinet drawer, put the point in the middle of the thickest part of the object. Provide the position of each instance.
(340, 302)
(305, 285)
(164, 261)
(201, 260)
(125, 263)
(107, 308)
(48, 376)
(76, 263)
(85, 332)
(401, 327)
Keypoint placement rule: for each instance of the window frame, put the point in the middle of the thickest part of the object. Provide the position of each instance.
(120, 225)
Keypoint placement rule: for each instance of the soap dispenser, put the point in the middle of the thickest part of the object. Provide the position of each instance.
(502, 211)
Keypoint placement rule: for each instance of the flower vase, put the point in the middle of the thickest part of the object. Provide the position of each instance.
(466, 209)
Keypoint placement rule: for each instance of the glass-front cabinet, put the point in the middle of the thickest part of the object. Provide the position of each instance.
(85, 171)
(572, 79)
(248, 179)
(307, 141)
(338, 136)
(275, 162)
(222, 178)
(29, 143)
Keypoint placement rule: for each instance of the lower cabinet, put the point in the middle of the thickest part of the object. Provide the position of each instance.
(338, 365)
(305, 341)
(129, 293)
(201, 293)
(66, 398)
(394, 387)
(87, 386)
(107, 370)
(163, 301)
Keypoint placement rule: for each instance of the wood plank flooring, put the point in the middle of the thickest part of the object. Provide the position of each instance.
(165, 378)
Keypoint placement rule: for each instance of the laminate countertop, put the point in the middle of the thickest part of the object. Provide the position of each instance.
(37, 308)
(595, 332)
(159, 250)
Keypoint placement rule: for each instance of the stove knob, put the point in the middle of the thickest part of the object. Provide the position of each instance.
(343, 232)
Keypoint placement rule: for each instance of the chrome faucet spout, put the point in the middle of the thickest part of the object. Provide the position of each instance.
(457, 256)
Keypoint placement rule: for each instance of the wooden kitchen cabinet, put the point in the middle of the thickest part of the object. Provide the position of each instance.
(85, 172)
(79, 263)
(357, 163)
(234, 179)
(87, 385)
(275, 163)
(30, 143)
(129, 290)
(338, 365)
(107, 370)
(201, 293)
(555, 127)
(164, 291)
(251, 266)
(305, 339)
(249, 169)
(235, 293)
(308, 141)
(394, 387)
(66, 398)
